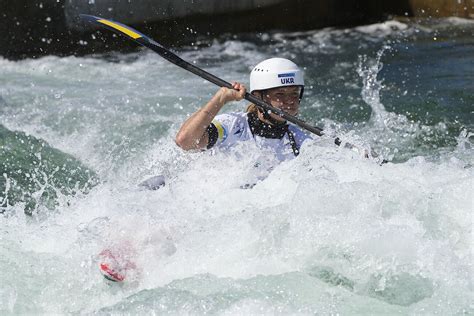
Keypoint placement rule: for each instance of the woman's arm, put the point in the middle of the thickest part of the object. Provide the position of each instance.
(192, 134)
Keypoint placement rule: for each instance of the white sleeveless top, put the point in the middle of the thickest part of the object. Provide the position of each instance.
(234, 127)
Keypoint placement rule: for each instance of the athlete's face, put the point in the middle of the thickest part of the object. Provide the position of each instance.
(286, 99)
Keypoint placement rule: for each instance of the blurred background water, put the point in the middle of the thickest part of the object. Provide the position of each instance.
(328, 232)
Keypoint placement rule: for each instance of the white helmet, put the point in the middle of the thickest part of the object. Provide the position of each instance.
(276, 72)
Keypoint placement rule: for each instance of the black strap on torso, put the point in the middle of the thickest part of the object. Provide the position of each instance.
(275, 130)
(294, 145)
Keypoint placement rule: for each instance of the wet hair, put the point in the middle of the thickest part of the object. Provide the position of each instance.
(252, 108)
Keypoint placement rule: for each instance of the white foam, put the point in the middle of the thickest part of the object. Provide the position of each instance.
(459, 21)
(383, 29)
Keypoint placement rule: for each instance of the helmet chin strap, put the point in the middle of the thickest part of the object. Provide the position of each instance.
(270, 119)
(267, 115)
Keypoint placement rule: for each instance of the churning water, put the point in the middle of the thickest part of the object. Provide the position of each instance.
(329, 232)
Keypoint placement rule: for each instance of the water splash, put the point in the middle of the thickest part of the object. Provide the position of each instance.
(388, 131)
(368, 71)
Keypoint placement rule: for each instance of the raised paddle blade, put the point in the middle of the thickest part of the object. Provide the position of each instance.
(114, 26)
(135, 35)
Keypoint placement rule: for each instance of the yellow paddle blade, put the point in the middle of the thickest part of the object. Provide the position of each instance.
(120, 27)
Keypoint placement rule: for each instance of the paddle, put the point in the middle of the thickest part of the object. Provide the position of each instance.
(168, 55)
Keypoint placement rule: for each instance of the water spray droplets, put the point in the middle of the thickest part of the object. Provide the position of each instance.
(368, 71)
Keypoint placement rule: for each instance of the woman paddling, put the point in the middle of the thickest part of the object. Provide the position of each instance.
(277, 81)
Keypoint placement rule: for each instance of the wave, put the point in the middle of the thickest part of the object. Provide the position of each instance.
(34, 174)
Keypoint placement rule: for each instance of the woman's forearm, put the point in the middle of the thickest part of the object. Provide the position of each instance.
(192, 134)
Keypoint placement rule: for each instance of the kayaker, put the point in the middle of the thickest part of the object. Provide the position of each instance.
(277, 81)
